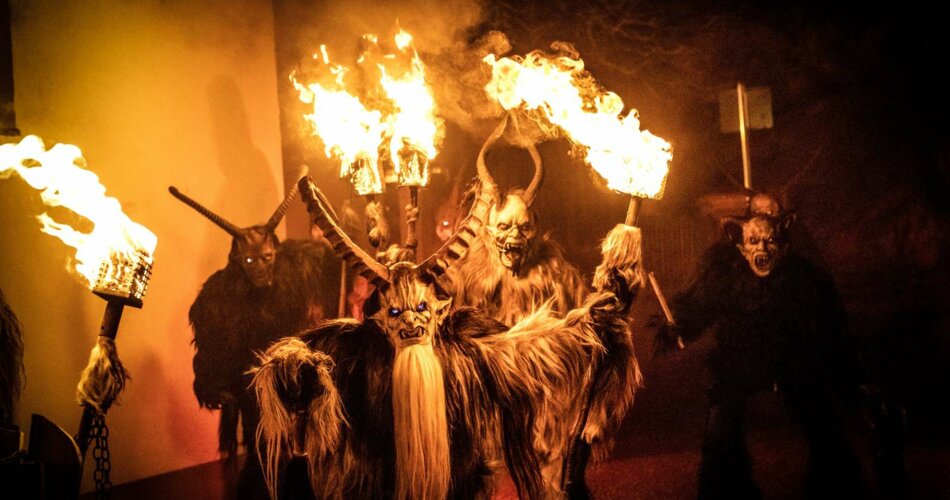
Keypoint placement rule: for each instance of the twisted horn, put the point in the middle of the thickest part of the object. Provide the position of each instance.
(532, 191)
(322, 215)
(213, 217)
(458, 244)
(483, 173)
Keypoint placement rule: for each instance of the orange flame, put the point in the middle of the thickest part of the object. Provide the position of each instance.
(350, 132)
(116, 247)
(414, 127)
(394, 119)
(569, 101)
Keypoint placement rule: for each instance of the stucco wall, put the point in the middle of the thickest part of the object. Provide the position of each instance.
(155, 93)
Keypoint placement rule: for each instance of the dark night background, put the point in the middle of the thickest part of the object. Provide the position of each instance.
(857, 149)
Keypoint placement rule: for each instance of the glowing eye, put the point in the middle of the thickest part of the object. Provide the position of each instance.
(445, 223)
(249, 260)
(754, 241)
(394, 311)
(421, 307)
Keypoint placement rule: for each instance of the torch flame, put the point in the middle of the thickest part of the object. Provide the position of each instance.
(414, 127)
(117, 247)
(401, 115)
(568, 100)
(350, 132)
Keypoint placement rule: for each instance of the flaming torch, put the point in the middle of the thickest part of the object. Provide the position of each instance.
(351, 133)
(565, 100)
(114, 261)
(398, 124)
(414, 128)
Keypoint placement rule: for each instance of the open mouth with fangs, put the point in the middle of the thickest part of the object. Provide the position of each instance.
(763, 263)
(512, 252)
(413, 336)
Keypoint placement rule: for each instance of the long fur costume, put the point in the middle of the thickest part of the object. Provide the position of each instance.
(11, 362)
(496, 380)
(788, 326)
(233, 321)
(786, 329)
(481, 281)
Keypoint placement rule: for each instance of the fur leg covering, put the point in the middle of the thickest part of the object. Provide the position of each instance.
(621, 268)
(103, 378)
(300, 408)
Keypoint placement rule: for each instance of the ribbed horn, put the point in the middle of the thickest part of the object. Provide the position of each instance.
(532, 191)
(458, 244)
(322, 215)
(483, 173)
(282, 209)
(213, 217)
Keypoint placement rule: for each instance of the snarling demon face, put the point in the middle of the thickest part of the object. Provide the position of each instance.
(410, 310)
(760, 236)
(256, 249)
(511, 228)
(760, 245)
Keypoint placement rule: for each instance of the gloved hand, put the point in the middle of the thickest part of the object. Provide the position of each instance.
(669, 337)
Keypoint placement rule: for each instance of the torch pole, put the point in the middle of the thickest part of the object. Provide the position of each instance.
(109, 328)
(746, 166)
(412, 215)
(341, 307)
(633, 211)
(664, 305)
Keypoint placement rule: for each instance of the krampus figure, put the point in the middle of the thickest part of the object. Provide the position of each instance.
(268, 290)
(778, 323)
(421, 400)
(512, 269)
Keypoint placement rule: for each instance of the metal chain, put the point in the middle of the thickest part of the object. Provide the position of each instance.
(100, 432)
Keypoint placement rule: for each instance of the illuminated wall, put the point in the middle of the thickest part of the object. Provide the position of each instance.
(155, 93)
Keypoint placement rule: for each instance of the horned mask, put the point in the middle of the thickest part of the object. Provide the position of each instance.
(760, 236)
(254, 248)
(408, 303)
(511, 222)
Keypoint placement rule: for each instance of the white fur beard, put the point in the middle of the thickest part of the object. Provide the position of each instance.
(421, 432)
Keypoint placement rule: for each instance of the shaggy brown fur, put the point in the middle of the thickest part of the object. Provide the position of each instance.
(481, 281)
(11, 362)
(233, 320)
(103, 378)
(496, 382)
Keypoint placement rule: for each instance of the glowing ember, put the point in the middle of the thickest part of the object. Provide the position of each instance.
(561, 95)
(350, 132)
(113, 255)
(394, 116)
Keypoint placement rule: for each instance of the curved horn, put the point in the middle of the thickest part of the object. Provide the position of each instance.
(532, 191)
(458, 244)
(213, 217)
(282, 209)
(322, 215)
(483, 172)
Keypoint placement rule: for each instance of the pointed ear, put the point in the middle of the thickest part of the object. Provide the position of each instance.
(732, 227)
(785, 222)
(441, 308)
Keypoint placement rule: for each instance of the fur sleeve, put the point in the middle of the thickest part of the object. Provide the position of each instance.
(698, 306)
(216, 338)
(309, 274)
